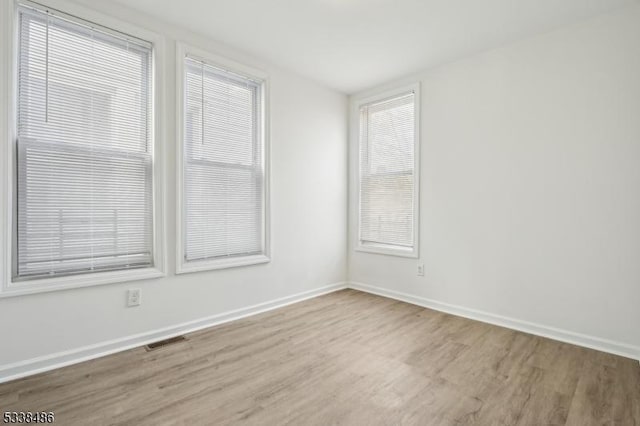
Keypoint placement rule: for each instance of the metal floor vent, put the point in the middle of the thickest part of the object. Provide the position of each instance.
(162, 343)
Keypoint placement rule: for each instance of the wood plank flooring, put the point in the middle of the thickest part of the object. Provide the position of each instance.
(345, 358)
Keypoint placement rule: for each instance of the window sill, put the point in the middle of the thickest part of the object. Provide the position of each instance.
(232, 262)
(388, 250)
(44, 285)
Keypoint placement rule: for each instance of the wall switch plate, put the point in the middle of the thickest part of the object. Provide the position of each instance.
(420, 269)
(134, 297)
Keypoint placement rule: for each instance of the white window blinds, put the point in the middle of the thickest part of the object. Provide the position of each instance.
(387, 147)
(84, 168)
(223, 164)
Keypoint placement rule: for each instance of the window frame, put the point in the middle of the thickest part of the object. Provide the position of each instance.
(10, 286)
(381, 248)
(183, 266)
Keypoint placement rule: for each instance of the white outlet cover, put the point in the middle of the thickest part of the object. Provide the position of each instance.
(134, 297)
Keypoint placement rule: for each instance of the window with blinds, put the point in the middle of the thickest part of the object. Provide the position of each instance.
(223, 164)
(387, 173)
(84, 150)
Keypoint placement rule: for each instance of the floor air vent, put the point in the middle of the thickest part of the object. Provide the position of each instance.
(166, 342)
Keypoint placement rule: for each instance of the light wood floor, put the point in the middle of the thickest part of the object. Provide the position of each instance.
(346, 358)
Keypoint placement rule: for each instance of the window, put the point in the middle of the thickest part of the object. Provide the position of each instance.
(388, 184)
(84, 181)
(223, 211)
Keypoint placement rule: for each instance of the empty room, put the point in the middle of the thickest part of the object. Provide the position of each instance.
(320, 212)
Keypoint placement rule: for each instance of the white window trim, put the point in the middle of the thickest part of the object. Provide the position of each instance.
(183, 267)
(8, 86)
(386, 249)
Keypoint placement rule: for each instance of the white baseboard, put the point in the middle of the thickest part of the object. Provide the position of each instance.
(566, 336)
(41, 364)
(61, 359)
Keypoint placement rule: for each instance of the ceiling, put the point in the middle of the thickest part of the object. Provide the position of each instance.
(351, 45)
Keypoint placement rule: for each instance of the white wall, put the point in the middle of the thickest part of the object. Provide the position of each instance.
(308, 225)
(530, 185)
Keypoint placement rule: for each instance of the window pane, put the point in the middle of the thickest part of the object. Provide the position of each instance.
(223, 166)
(387, 138)
(84, 152)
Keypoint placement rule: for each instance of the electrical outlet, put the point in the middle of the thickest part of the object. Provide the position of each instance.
(421, 269)
(134, 297)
